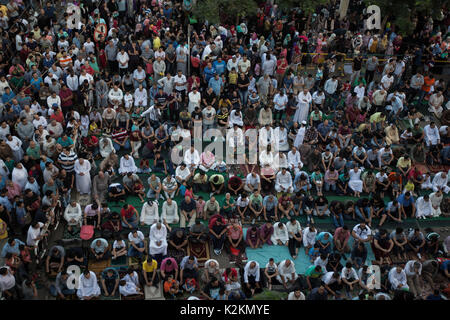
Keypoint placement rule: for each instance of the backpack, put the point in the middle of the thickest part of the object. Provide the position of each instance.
(87, 232)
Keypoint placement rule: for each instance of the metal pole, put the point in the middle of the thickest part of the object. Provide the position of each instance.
(189, 48)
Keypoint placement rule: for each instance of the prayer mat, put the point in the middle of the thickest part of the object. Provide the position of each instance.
(422, 168)
(133, 261)
(99, 266)
(115, 297)
(132, 297)
(75, 234)
(153, 293)
(437, 168)
(199, 250)
(120, 261)
(178, 255)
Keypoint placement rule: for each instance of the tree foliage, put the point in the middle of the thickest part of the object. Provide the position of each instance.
(213, 10)
(308, 6)
(402, 12)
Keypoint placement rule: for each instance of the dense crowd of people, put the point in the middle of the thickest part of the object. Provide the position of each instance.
(350, 130)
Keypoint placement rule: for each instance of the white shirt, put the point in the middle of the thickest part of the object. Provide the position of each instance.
(396, 278)
(359, 91)
(409, 268)
(284, 180)
(123, 58)
(192, 157)
(136, 239)
(294, 159)
(251, 272)
(362, 233)
(33, 234)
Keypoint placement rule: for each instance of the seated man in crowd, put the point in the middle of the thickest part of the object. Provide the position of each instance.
(55, 259)
(110, 282)
(99, 250)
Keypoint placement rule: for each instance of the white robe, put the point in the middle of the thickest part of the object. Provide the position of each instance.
(424, 208)
(88, 287)
(304, 101)
(281, 139)
(4, 171)
(20, 176)
(426, 184)
(299, 137)
(127, 165)
(16, 147)
(155, 236)
(170, 213)
(149, 213)
(436, 204)
(236, 118)
(279, 234)
(83, 181)
(355, 182)
(265, 158)
(192, 158)
(440, 182)
(108, 149)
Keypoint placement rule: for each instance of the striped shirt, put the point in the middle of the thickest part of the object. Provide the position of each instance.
(64, 62)
(120, 135)
(71, 157)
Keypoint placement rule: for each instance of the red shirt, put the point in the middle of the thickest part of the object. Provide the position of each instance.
(128, 213)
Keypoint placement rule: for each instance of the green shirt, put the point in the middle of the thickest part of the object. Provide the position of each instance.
(224, 203)
(311, 272)
(34, 153)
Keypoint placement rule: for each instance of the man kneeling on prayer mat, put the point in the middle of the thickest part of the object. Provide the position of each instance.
(88, 287)
(128, 288)
(158, 242)
(280, 234)
(110, 282)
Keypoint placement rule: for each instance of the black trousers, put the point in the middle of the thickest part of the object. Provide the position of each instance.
(293, 244)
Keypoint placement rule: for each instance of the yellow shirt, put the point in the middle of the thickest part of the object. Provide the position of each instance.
(376, 117)
(409, 186)
(232, 78)
(150, 268)
(156, 43)
(402, 163)
(4, 9)
(3, 230)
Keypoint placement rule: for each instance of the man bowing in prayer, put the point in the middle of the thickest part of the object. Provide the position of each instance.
(83, 176)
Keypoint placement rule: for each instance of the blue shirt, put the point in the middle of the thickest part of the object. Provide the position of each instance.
(405, 202)
(15, 249)
(219, 66)
(320, 237)
(216, 85)
(208, 73)
(270, 204)
(6, 98)
(6, 203)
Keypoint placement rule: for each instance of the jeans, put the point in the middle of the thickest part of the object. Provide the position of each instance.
(359, 214)
(330, 186)
(243, 95)
(118, 147)
(65, 291)
(338, 221)
(132, 252)
(133, 221)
